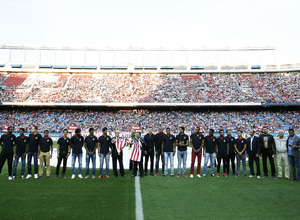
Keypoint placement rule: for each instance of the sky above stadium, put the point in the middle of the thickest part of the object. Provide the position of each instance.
(154, 24)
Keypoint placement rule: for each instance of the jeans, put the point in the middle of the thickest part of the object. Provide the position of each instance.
(106, 157)
(181, 155)
(295, 163)
(88, 158)
(16, 165)
(212, 157)
(168, 155)
(79, 156)
(35, 161)
(238, 163)
(158, 155)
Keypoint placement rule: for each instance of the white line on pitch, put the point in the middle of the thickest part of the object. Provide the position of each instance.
(138, 200)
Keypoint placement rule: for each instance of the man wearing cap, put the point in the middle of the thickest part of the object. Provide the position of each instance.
(45, 145)
(268, 150)
(90, 145)
(76, 148)
(7, 142)
(104, 150)
(282, 155)
(293, 147)
(21, 148)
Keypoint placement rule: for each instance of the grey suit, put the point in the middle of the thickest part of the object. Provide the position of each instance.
(295, 158)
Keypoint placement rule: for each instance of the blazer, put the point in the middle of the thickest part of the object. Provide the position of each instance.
(296, 142)
(271, 144)
(255, 146)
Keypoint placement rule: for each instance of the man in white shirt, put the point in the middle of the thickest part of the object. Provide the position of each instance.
(282, 155)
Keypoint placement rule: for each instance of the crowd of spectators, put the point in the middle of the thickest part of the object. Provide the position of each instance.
(123, 120)
(161, 88)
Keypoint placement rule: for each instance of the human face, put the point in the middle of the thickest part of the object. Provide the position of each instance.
(181, 131)
(229, 133)
(21, 132)
(33, 130)
(65, 133)
(117, 133)
(161, 130)
(222, 133)
(291, 133)
(251, 133)
(10, 130)
(138, 135)
(46, 133)
(168, 131)
(150, 130)
(265, 131)
(239, 134)
(281, 134)
(92, 132)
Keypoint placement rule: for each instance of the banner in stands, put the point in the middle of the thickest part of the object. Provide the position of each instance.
(136, 127)
(72, 127)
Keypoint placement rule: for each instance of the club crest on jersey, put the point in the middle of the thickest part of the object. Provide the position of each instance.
(80, 139)
(231, 139)
(107, 139)
(11, 139)
(47, 140)
(224, 141)
(242, 141)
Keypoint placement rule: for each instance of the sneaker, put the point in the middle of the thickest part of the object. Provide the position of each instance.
(73, 176)
(14, 177)
(10, 178)
(22, 177)
(123, 175)
(178, 175)
(184, 175)
(80, 176)
(40, 177)
(93, 177)
(192, 176)
(131, 176)
(172, 175)
(86, 177)
(145, 174)
(28, 176)
(56, 177)
(99, 177)
(245, 176)
(156, 174)
(204, 175)
(106, 176)
(237, 175)
(151, 174)
(198, 175)
(278, 177)
(35, 176)
(64, 176)
(218, 175)
(163, 173)
(48, 177)
(265, 176)
(274, 177)
(258, 177)
(224, 174)
(251, 176)
(287, 178)
(213, 175)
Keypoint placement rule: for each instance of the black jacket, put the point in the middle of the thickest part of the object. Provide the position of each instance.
(271, 144)
(255, 146)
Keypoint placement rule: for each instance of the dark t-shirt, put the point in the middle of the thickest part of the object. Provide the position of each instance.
(168, 142)
(77, 143)
(240, 144)
(149, 141)
(91, 142)
(21, 143)
(105, 144)
(196, 140)
(8, 142)
(158, 141)
(231, 141)
(34, 141)
(184, 138)
(63, 144)
(210, 143)
(45, 144)
(222, 145)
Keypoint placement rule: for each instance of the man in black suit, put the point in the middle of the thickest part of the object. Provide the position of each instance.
(118, 156)
(149, 150)
(253, 151)
(268, 150)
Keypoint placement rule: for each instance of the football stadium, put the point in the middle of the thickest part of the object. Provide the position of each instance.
(173, 126)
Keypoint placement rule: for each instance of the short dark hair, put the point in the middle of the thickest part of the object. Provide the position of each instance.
(228, 130)
(221, 130)
(22, 129)
(77, 130)
(291, 129)
(46, 131)
(65, 130)
(104, 129)
(91, 129)
(35, 127)
(181, 127)
(212, 130)
(197, 127)
(139, 133)
(238, 131)
(167, 128)
(9, 127)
